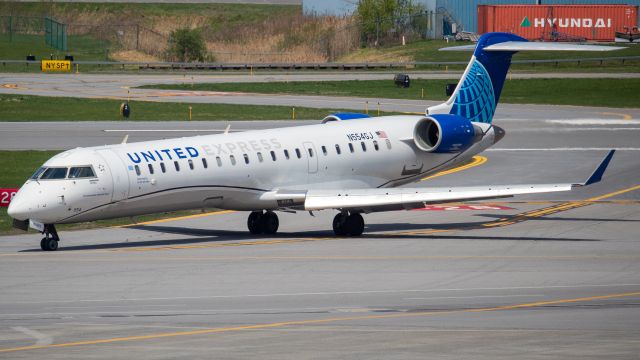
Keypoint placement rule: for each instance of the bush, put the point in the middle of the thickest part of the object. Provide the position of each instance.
(186, 45)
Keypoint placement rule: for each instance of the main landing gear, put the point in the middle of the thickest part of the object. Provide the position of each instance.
(50, 240)
(350, 224)
(344, 224)
(263, 222)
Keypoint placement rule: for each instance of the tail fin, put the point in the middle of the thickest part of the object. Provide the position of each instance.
(478, 91)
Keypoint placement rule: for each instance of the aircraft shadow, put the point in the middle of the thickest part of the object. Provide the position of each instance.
(202, 236)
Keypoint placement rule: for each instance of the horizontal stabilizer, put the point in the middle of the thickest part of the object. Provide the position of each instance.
(547, 46)
(535, 46)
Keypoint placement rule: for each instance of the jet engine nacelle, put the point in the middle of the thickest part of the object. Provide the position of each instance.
(444, 133)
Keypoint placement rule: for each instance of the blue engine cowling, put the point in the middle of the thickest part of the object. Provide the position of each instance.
(344, 116)
(444, 133)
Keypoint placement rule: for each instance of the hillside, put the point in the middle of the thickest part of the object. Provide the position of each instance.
(233, 32)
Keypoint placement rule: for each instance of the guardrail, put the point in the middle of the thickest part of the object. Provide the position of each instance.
(311, 66)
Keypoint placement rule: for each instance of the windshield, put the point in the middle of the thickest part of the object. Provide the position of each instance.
(37, 173)
(54, 173)
(81, 172)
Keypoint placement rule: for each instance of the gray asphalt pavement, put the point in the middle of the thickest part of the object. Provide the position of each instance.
(116, 86)
(536, 277)
(545, 127)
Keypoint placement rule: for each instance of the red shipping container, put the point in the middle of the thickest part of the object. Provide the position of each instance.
(558, 22)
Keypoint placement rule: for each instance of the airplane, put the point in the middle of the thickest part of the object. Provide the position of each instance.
(351, 163)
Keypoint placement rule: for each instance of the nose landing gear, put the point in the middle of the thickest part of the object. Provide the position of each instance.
(350, 224)
(263, 223)
(50, 240)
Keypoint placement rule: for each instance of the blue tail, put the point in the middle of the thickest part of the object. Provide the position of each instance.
(478, 91)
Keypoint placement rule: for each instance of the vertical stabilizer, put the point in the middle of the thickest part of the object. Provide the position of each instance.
(478, 91)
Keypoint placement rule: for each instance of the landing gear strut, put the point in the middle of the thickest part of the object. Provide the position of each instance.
(263, 222)
(50, 240)
(350, 224)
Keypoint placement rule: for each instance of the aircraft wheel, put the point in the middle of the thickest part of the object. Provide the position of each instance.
(49, 244)
(270, 223)
(254, 223)
(339, 224)
(354, 226)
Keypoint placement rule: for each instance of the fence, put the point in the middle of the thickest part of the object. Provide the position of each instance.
(55, 34)
(11, 27)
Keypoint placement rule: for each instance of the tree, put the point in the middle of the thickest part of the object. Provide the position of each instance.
(186, 45)
(380, 17)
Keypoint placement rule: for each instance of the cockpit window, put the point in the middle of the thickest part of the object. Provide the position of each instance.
(54, 173)
(37, 174)
(81, 172)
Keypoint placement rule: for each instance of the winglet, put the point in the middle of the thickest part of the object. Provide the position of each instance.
(597, 174)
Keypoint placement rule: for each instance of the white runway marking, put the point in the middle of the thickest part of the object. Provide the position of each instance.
(474, 297)
(594, 122)
(41, 339)
(168, 130)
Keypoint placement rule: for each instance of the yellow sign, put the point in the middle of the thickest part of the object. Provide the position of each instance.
(56, 65)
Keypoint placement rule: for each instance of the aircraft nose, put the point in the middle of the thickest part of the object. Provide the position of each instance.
(18, 210)
(498, 133)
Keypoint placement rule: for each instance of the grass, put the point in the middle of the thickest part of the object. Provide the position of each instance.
(19, 165)
(82, 47)
(42, 108)
(585, 92)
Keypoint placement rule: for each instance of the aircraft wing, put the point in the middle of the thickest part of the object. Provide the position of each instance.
(385, 199)
(370, 200)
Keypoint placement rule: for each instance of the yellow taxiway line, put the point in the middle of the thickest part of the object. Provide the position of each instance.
(475, 161)
(317, 321)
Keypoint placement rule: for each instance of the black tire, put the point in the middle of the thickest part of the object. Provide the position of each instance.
(254, 223)
(48, 244)
(338, 224)
(354, 226)
(270, 223)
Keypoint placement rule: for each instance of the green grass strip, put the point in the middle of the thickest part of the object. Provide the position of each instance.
(42, 108)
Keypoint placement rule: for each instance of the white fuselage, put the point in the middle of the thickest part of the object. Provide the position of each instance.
(234, 171)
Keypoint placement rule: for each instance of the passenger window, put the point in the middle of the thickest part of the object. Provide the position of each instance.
(190, 164)
(364, 147)
(204, 163)
(375, 145)
(81, 172)
(246, 158)
(286, 154)
(324, 150)
(176, 165)
(351, 147)
(298, 153)
(310, 152)
(388, 144)
(137, 170)
(163, 168)
(337, 149)
(37, 173)
(54, 173)
(260, 157)
(150, 169)
(273, 155)
(233, 159)
(219, 161)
